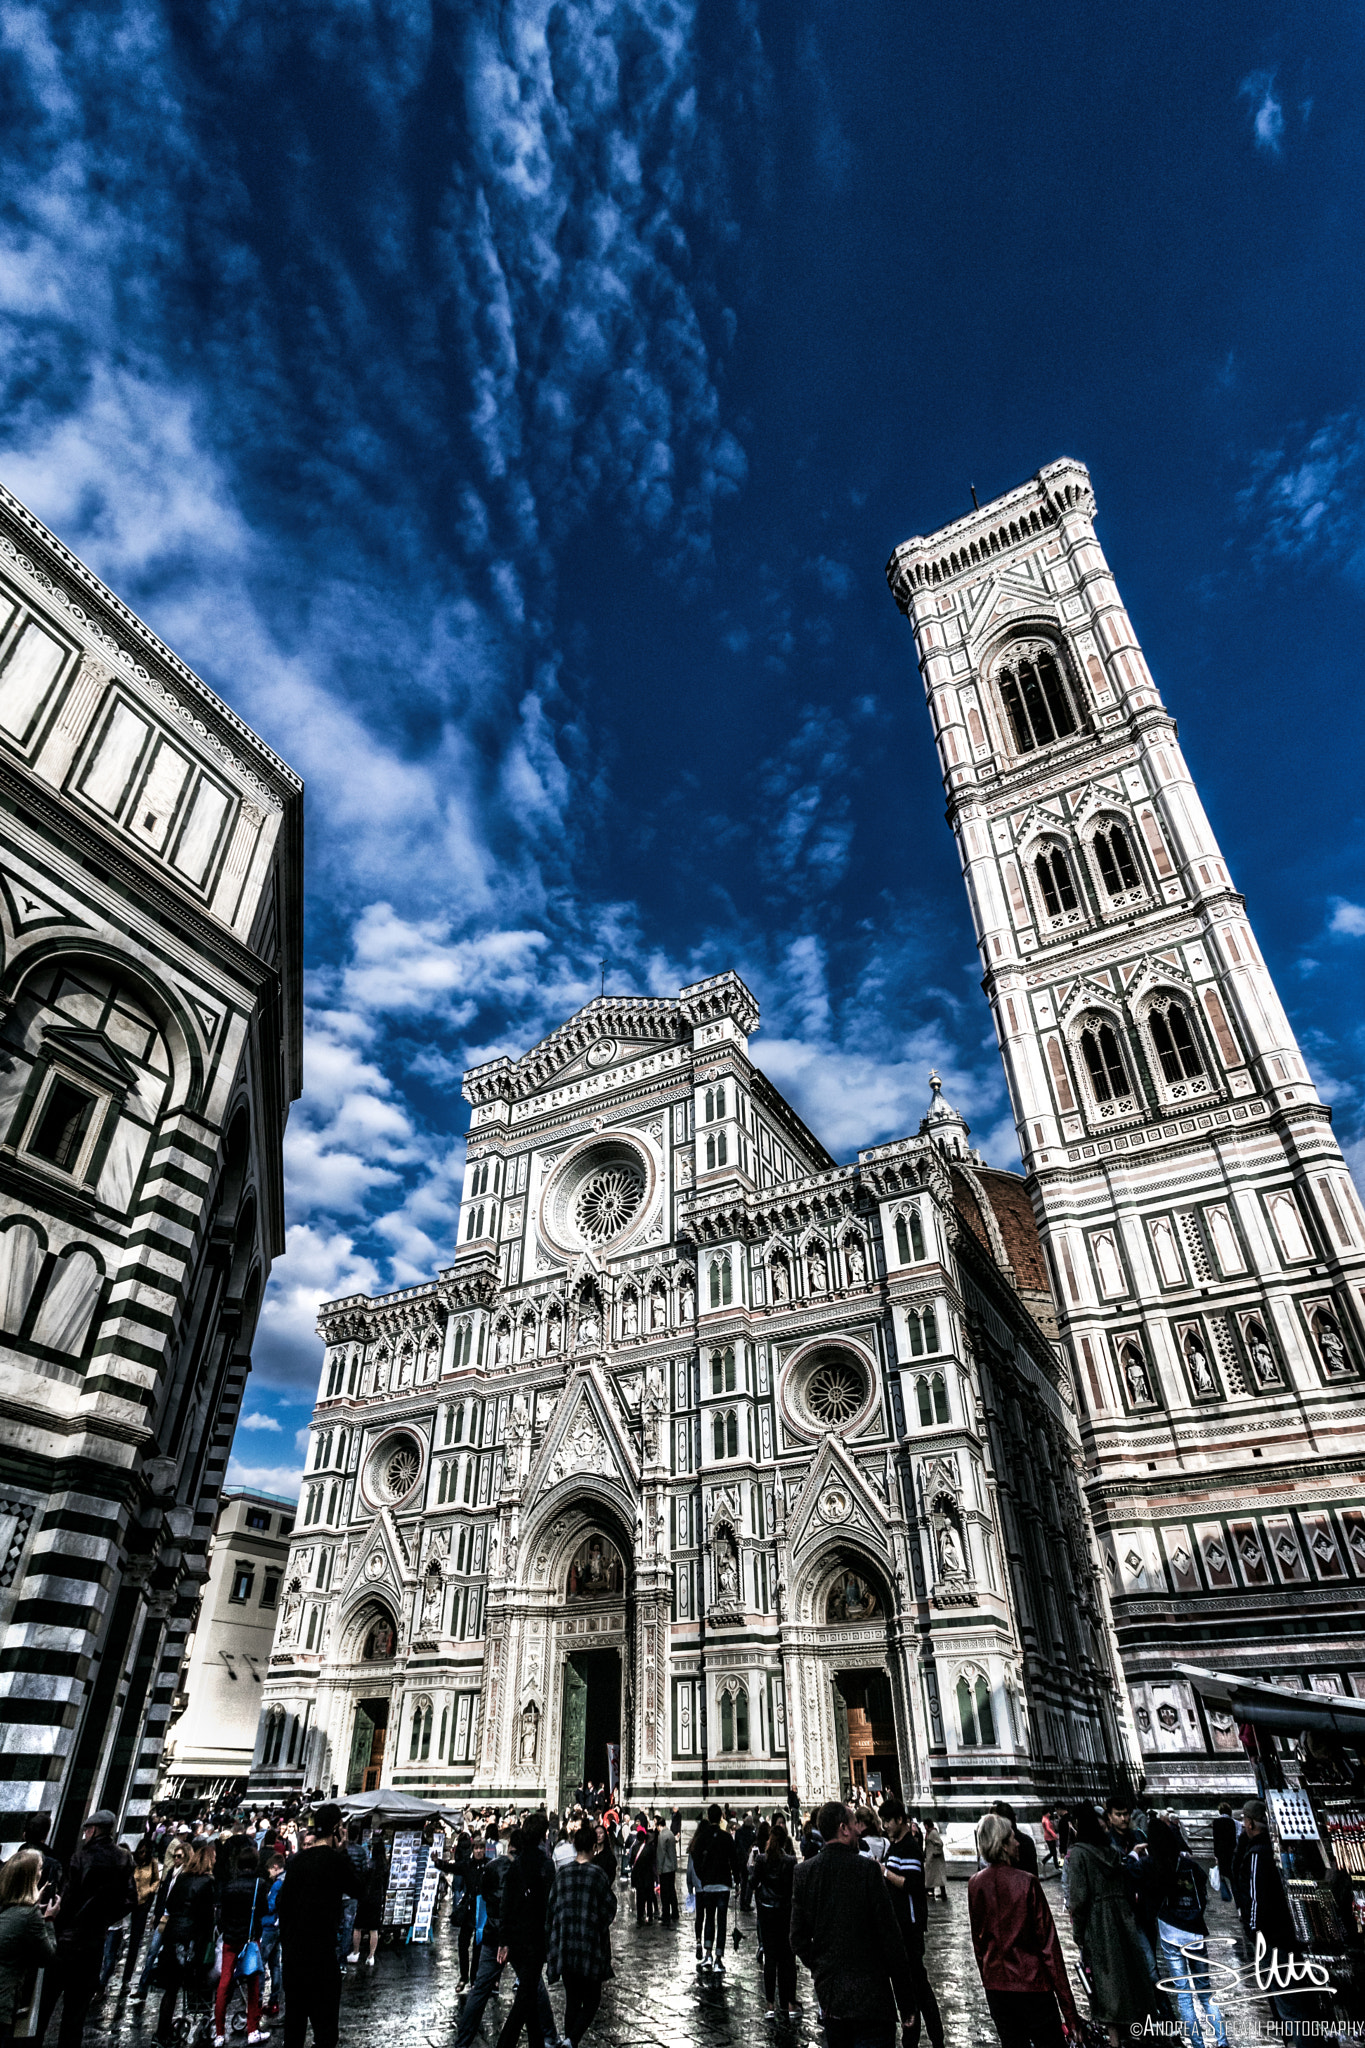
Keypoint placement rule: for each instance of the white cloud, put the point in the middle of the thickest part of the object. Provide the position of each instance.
(283, 1481)
(1306, 499)
(258, 1422)
(1258, 87)
(1347, 918)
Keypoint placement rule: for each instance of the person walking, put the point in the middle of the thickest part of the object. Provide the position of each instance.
(843, 1928)
(491, 1872)
(171, 1861)
(525, 1905)
(369, 1912)
(773, 1872)
(935, 1861)
(1050, 1839)
(98, 1892)
(1014, 1939)
(146, 1882)
(272, 1867)
(582, 1909)
(1107, 1933)
(904, 1870)
(1225, 1848)
(186, 1929)
(241, 1914)
(1264, 1910)
(27, 1942)
(1181, 1889)
(642, 1875)
(710, 1874)
(666, 1864)
(745, 1836)
(317, 1880)
(1026, 1856)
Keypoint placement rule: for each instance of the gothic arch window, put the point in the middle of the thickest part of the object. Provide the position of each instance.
(1055, 884)
(1036, 698)
(721, 1284)
(464, 1337)
(723, 1370)
(725, 1433)
(922, 1328)
(931, 1396)
(985, 1716)
(419, 1745)
(966, 1714)
(734, 1717)
(909, 1237)
(1173, 1039)
(334, 1374)
(715, 1104)
(1104, 1061)
(274, 1737)
(1114, 858)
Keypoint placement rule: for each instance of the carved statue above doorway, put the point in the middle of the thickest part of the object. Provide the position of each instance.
(851, 1598)
(595, 1571)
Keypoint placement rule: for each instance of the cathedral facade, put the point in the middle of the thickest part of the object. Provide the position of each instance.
(708, 1466)
(1204, 1240)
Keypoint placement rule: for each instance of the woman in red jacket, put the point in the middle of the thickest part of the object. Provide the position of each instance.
(1017, 1950)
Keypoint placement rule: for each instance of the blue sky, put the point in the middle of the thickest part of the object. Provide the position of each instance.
(510, 411)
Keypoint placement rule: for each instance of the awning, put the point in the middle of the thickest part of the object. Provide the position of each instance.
(1280, 1707)
(388, 1808)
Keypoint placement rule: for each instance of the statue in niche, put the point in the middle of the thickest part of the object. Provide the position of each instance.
(658, 1308)
(588, 1326)
(818, 1269)
(530, 1733)
(527, 1346)
(554, 1331)
(1262, 1357)
(289, 1619)
(1330, 1343)
(431, 1598)
(687, 1297)
(782, 1287)
(950, 1553)
(1135, 1372)
(595, 1571)
(630, 1316)
(727, 1571)
(379, 1641)
(502, 1345)
(851, 1598)
(857, 1264)
(1201, 1373)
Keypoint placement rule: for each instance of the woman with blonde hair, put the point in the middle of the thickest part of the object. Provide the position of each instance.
(1017, 1950)
(186, 1935)
(26, 1940)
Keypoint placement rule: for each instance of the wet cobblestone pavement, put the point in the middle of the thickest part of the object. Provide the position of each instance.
(658, 1998)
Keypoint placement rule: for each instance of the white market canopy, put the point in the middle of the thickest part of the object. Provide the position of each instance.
(388, 1807)
(1282, 1707)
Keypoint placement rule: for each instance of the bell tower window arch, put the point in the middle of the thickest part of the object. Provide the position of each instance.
(1037, 699)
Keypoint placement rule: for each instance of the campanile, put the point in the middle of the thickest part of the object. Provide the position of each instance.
(1206, 1243)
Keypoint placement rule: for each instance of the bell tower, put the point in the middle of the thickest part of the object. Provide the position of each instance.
(1207, 1246)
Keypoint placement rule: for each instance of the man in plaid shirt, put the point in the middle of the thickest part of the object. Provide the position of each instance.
(581, 1910)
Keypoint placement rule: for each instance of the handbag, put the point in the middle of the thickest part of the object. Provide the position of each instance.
(249, 1962)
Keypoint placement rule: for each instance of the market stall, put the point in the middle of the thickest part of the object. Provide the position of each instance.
(415, 1833)
(1315, 1801)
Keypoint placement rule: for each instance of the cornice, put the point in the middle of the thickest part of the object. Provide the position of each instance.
(24, 529)
(967, 546)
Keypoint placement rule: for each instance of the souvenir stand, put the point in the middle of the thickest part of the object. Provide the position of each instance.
(1315, 1802)
(413, 1831)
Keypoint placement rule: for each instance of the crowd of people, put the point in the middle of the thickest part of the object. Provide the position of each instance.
(233, 1922)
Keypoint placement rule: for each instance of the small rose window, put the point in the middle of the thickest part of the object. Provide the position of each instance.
(835, 1392)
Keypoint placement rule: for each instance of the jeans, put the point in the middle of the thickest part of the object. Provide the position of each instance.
(349, 1909)
(712, 1908)
(779, 1964)
(925, 2002)
(582, 1996)
(1026, 2019)
(312, 1979)
(137, 1927)
(153, 1951)
(253, 1994)
(528, 2008)
(270, 1959)
(480, 1991)
(1187, 1972)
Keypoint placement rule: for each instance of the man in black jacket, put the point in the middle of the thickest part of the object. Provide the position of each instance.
(97, 1894)
(525, 1940)
(309, 1912)
(487, 1879)
(845, 1932)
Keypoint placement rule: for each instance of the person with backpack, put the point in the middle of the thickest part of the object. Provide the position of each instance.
(1180, 1889)
(666, 1864)
(772, 1873)
(904, 1870)
(525, 1938)
(582, 1908)
(241, 1913)
(318, 1878)
(490, 1874)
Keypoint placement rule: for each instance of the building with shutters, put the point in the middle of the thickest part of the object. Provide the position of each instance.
(704, 1452)
(1205, 1244)
(150, 1045)
(212, 1729)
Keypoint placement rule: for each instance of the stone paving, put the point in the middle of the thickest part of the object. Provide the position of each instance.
(657, 1998)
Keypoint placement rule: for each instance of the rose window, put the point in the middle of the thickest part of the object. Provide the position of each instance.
(401, 1471)
(607, 1200)
(835, 1392)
